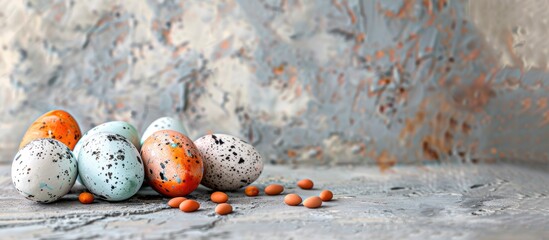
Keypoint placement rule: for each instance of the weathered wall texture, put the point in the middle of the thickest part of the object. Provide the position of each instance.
(304, 81)
(518, 120)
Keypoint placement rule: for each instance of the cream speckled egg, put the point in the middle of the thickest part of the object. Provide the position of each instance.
(229, 163)
(44, 170)
(110, 167)
(164, 123)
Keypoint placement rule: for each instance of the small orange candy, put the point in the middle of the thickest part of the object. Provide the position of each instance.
(189, 206)
(305, 184)
(292, 199)
(85, 198)
(274, 189)
(251, 191)
(223, 209)
(326, 195)
(219, 197)
(312, 202)
(176, 201)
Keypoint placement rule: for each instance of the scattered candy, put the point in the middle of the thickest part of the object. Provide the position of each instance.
(176, 201)
(326, 195)
(292, 199)
(251, 191)
(219, 197)
(223, 209)
(305, 184)
(85, 198)
(274, 189)
(312, 202)
(189, 206)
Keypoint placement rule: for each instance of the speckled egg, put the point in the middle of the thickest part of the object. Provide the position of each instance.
(44, 170)
(173, 165)
(56, 124)
(229, 163)
(164, 123)
(110, 166)
(117, 127)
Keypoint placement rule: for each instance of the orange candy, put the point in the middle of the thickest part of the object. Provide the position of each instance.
(56, 124)
(292, 199)
(251, 191)
(85, 198)
(312, 202)
(274, 189)
(173, 164)
(175, 202)
(326, 195)
(189, 206)
(219, 197)
(305, 184)
(223, 209)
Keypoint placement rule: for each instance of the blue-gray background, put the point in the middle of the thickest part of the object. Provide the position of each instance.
(307, 82)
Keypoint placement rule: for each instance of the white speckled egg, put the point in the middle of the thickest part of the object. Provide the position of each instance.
(110, 167)
(229, 163)
(164, 123)
(117, 127)
(44, 170)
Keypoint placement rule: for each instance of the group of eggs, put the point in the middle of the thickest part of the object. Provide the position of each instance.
(113, 162)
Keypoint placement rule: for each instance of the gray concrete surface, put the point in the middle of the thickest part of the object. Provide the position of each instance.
(434, 202)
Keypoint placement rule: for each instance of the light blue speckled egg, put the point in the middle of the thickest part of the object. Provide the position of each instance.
(164, 123)
(44, 170)
(110, 166)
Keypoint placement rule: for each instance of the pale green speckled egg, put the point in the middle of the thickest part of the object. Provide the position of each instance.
(110, 166)
(164, 123)
(117, 127)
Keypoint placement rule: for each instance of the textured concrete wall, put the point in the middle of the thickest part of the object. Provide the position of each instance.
(517, 124)
(305, 81)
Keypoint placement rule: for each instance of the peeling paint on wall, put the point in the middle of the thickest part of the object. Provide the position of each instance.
(306, 82)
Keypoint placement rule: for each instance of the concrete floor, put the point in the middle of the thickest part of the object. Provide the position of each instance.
(434, 202)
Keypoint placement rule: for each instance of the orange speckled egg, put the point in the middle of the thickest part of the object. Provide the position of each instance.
(56, 124)
(173, 165)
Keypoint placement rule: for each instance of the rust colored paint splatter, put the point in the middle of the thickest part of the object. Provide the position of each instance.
(526, 104)
(394, 54)
(56, 124)
(279, 70)
(403, 11)
(385, 160)
(292, 153)
(352, 15)
(541, 104)
(380, 54)
(173, 165)
(545, 117)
